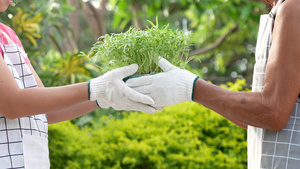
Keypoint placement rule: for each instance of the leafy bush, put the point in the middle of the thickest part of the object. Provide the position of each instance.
(186, 135)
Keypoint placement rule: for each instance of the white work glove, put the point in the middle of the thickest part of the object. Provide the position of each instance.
(171, 87)
(109, 90)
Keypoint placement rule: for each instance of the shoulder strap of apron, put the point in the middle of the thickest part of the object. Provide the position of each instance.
(254, 134)
(10, 42)
(274, 9)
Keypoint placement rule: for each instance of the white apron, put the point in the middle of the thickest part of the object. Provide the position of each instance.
(23, 141)
(269, 149)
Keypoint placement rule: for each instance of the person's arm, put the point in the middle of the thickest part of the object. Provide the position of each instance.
(109, 88)
(68, 113)
(15, 102)
(269, 109)
(71, 112)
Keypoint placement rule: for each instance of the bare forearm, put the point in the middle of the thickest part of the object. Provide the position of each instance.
(72, 112)
(42, 100)
(242, 108)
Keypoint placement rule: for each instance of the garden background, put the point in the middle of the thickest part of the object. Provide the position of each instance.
(187, 135)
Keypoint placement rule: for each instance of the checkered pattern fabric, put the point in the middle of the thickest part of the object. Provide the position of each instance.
(12, 131)
(269, 149)
(282, 149)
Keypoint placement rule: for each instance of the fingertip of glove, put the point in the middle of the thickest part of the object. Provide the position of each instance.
(165, 65)
(134, 66)
(150, 101)
(152, 111)
(129, 70)
(160, 108)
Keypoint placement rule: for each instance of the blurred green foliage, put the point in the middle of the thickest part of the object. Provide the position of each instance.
(207, 20)
(182, 136)
(186, 135)
(56, 69)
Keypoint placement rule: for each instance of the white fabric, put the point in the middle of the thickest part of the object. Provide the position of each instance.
(12, 132)
(171, 87)
(111, 91)
(36, 155)
(254, 138)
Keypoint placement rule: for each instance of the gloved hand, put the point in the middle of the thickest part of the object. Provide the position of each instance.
(171, 87)
(109, 90)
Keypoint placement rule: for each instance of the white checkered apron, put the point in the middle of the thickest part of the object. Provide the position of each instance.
(12, 131)
(269, 149)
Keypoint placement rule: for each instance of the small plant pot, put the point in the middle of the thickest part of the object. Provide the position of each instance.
(134, 76)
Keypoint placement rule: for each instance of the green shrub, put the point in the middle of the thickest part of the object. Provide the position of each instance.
(186, 135)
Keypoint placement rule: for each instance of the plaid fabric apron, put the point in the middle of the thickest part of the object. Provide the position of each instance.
(15, 133)
(269, 149)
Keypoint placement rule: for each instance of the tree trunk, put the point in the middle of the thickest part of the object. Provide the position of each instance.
(101, 21)
(70, 43)
(136, 20)
(74, 18)
(96, 18)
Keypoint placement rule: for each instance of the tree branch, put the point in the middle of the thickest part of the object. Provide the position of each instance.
(136, 20)
(101, 21)
(95, 18)
(74, 18)
(217, 43)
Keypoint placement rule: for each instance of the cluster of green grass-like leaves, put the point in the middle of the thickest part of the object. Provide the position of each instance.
(142, 47)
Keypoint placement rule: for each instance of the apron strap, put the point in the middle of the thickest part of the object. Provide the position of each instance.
(274, 9)
(10, 42)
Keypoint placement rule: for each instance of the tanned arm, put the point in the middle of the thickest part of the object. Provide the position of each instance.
(271, 108)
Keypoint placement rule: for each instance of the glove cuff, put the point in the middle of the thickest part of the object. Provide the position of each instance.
(189, 80)
(194, 88)
(96, 89)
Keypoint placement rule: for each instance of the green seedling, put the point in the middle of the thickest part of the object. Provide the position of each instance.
(143, 47)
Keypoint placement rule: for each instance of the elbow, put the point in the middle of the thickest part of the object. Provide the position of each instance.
(273, 116)
(276, 127)
(277, 120)
(10, 113)
(10, 116)
(13, 106)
